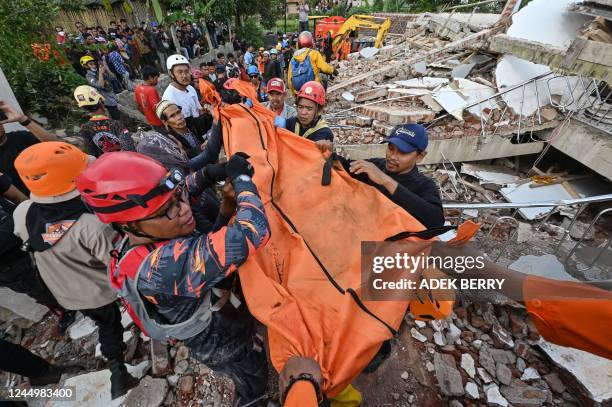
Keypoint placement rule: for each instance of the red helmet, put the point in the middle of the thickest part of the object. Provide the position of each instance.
(305, 40)
(314, 91)
(125, 186)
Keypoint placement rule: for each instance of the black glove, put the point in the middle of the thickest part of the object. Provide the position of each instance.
(238, 165)
(335, 73)
(215, 172)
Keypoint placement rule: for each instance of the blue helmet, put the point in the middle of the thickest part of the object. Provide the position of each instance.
(252, 70)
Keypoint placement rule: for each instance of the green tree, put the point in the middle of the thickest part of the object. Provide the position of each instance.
(43, 86)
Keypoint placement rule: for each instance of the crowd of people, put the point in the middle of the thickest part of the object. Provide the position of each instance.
(125, 50)
(146, 222)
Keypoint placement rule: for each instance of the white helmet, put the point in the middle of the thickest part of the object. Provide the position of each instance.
(174, 60)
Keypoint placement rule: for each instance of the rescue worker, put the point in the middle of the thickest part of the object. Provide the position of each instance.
(100, 134)
(309, 123)
(255, 79)
(184, 95)
(71, 246)
(260, 59)
(272, 68)
(17, 271)
(306, 64)
(183, 277)
(100, 77)
(398, 177)
(176, 147)
(277, 93)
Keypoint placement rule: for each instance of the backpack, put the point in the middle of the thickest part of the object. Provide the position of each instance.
(301, 72)
(124, 269)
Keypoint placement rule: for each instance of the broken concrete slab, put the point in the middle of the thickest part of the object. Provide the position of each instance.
(474, 92)
(451, 101)
(22, 305)
(368, 52)
(490, 174)
(447, 374)
(547, 22)
(543, 266)
(348, 96)
(149, 393)
(467, 364)
(494, 397)
(524, 193)
(431, 103)
(81, 328)
(423, 83)
(521, 394)
(592, 371)
(93, 389)
(463, 70)
(393, 115)
(371, 94)
(160, 358)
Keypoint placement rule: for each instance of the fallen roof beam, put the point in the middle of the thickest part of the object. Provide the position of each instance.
(592, 10)
(583, 57)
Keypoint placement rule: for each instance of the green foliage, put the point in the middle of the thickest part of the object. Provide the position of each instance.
(252, 32)
(420, 6)
(43, 87)
(377, 6)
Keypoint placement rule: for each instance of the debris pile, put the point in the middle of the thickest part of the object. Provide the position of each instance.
(451, 83)
(492, 354)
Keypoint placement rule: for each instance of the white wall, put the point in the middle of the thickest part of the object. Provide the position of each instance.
(7, 95)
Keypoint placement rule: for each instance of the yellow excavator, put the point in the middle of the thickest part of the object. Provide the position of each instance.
(341, 31)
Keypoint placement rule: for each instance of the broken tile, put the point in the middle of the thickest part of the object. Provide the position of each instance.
(494, 397)
(530, 374)
(417, 335)
(467, 364)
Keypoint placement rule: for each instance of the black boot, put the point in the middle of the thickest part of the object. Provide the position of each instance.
(121, 380)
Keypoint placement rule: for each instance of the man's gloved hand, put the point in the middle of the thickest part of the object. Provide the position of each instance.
(248, 102)
(215, 172)
(238, 165)
(280, 122)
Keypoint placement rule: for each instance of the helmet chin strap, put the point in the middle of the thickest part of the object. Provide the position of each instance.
(134, 231)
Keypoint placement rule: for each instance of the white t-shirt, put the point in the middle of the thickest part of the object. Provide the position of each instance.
(186, 99)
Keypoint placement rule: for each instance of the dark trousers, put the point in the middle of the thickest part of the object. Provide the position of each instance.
(227, 348)
(17, 359)
(21, 276)
(110, 330)
(303, 26)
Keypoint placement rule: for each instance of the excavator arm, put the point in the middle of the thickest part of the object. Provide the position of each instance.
(353, 23)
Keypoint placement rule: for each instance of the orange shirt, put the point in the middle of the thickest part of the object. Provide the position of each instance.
(146, 98)
(570, 314)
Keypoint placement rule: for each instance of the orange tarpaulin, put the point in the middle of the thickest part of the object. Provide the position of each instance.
(304, 285)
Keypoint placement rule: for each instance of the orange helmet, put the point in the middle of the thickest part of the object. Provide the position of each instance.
(305, 40)
(314, 91)
(50, 169)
